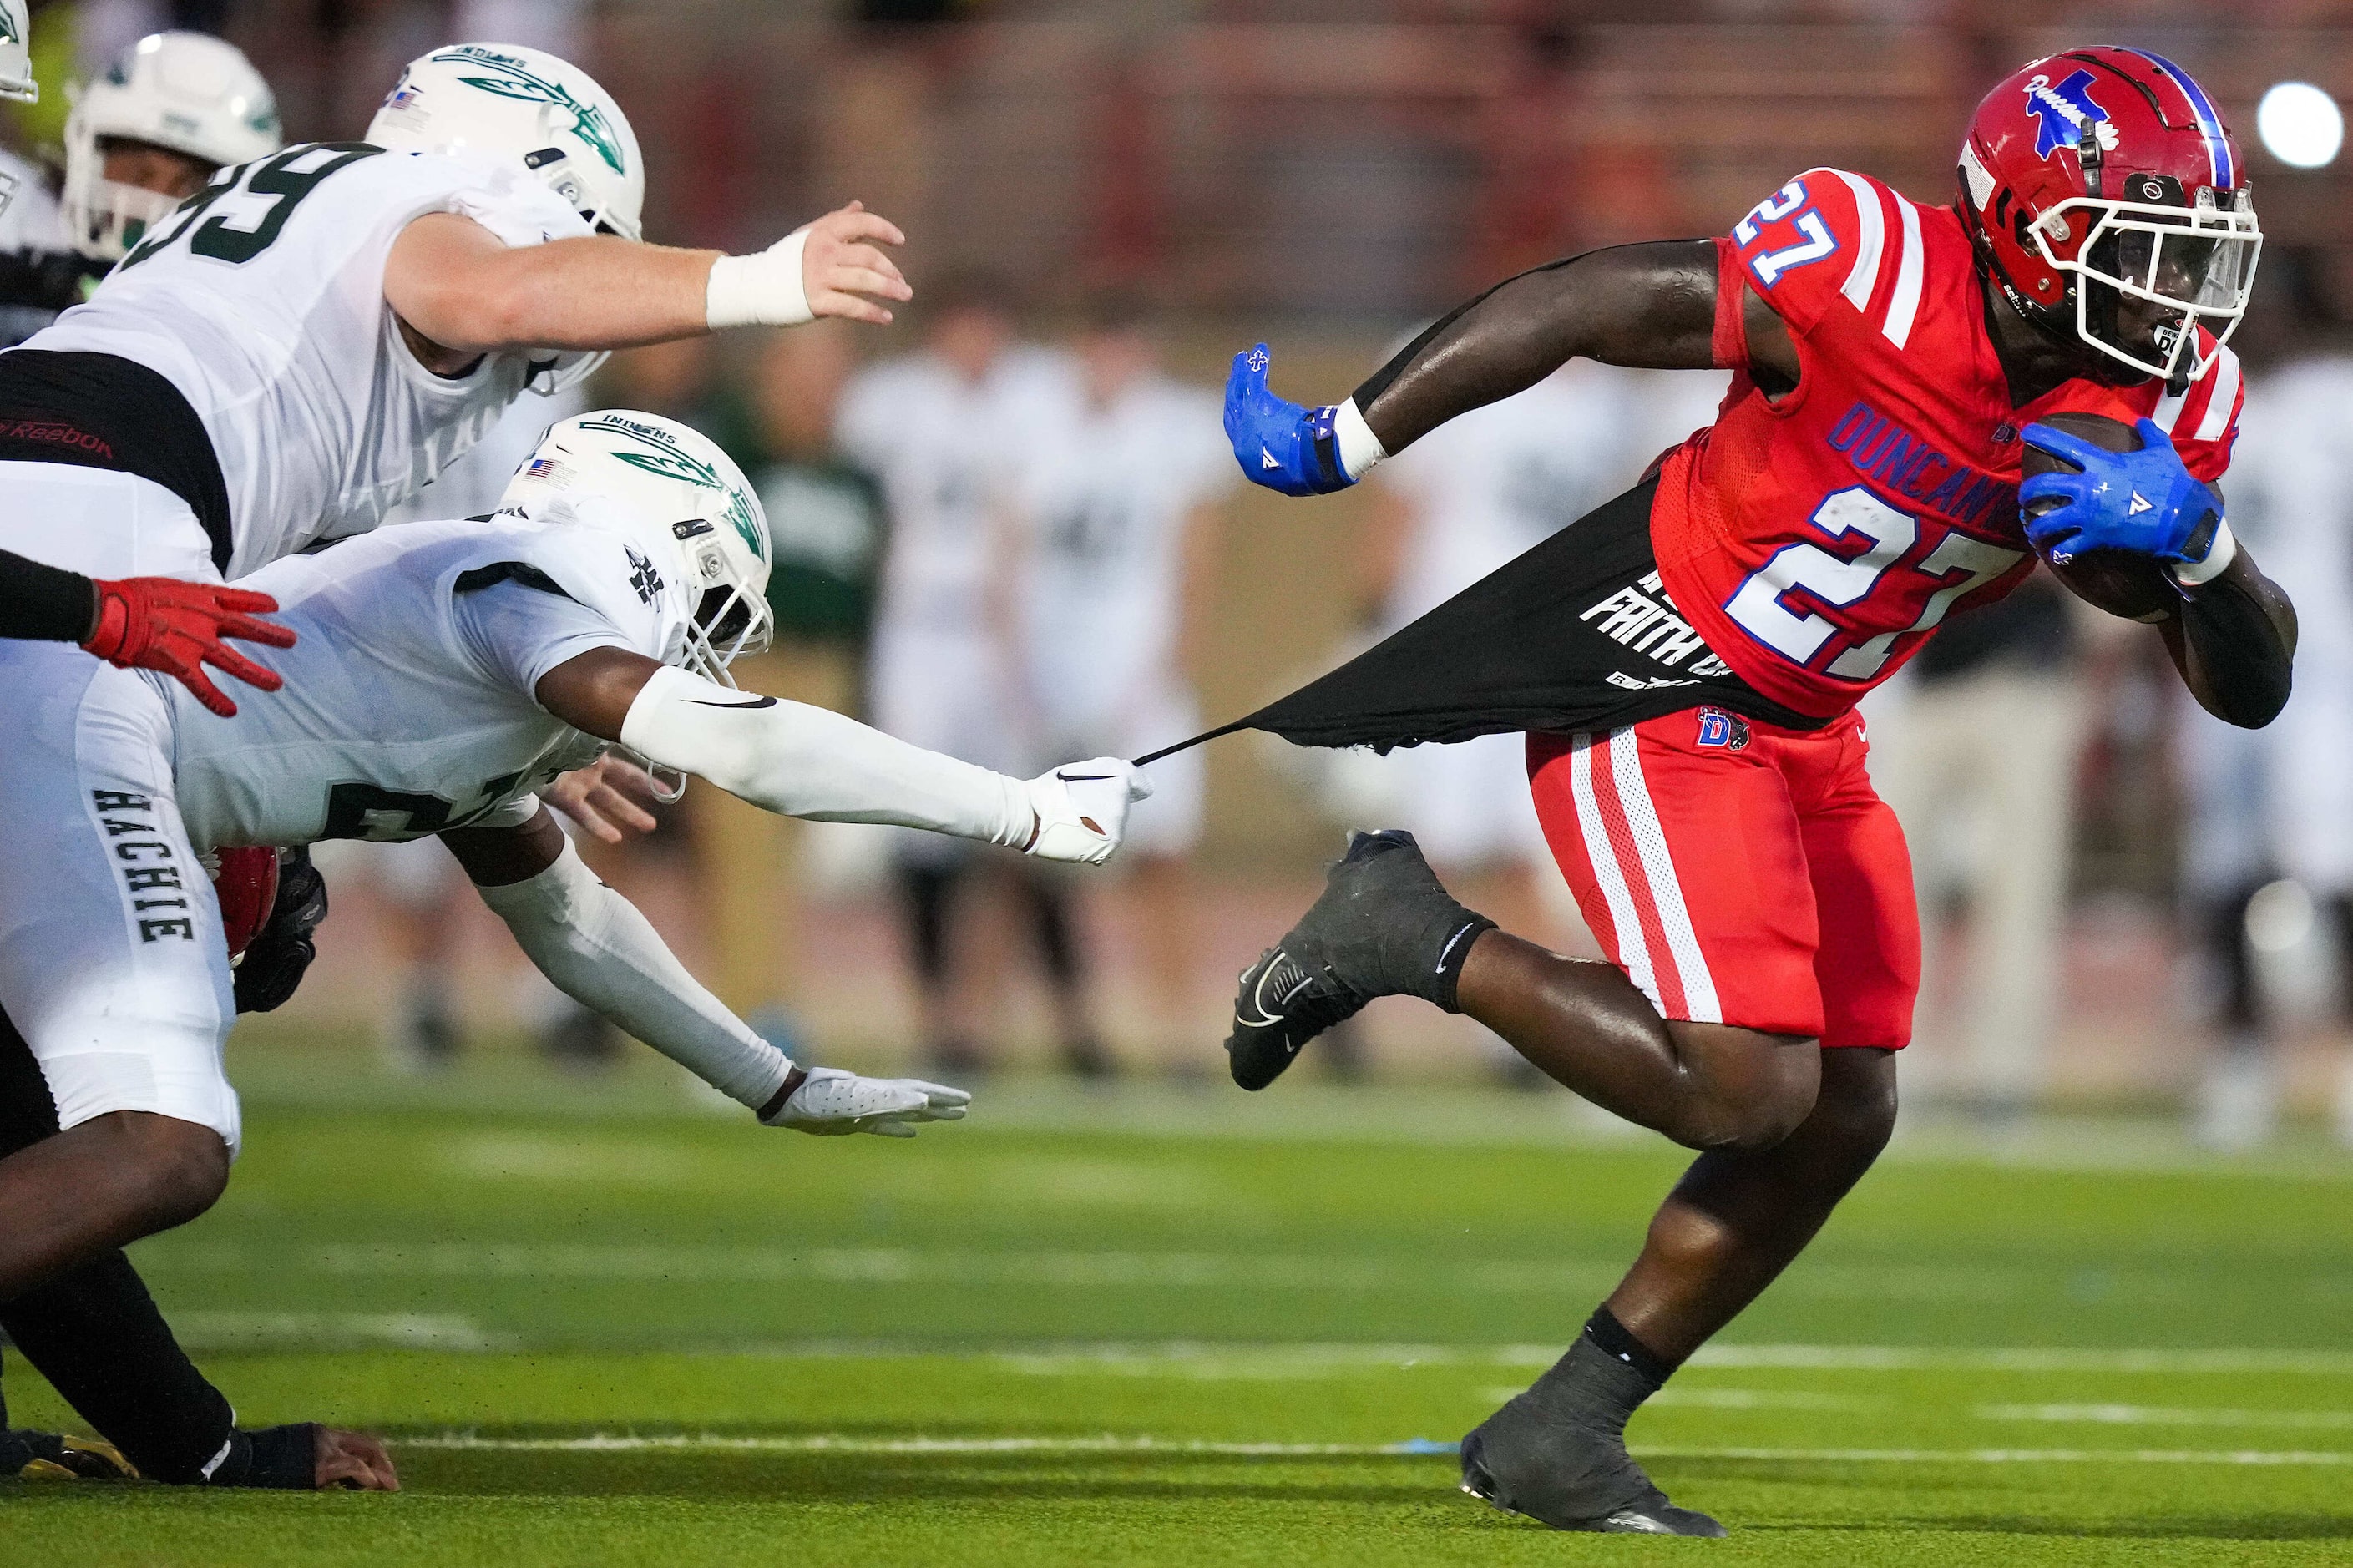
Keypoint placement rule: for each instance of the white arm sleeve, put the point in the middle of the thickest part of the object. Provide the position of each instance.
(801, 761)
(599, 951)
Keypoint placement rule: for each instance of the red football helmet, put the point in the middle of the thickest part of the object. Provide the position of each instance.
(245, 880)
(2105, 176)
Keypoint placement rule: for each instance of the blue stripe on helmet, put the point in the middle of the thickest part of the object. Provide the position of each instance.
(2218, 145)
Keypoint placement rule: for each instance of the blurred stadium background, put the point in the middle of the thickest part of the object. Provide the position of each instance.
(1327, 175)
(2138, 917)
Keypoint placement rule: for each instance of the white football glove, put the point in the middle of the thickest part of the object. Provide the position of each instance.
(831, 1103)
(1082, 809)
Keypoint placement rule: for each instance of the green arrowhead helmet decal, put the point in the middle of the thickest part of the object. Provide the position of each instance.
(514, 79)
(659, 456)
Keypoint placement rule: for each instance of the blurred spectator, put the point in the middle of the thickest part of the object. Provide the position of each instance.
(826, 522)
(2268, 858)
(1118, 511)
(941, 427)
(1976, 747)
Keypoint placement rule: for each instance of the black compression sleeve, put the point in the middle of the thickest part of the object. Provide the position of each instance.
(2240, 652)
(43, 603)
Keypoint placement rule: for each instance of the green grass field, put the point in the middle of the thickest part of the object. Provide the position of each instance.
(605, 1327)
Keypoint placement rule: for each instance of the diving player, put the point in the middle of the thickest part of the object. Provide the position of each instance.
(302, 343)
(1703, 783)
(315, 334)
(444, 671)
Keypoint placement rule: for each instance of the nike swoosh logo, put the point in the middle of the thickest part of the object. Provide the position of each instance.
(755, 702)
(1085, 778)
(1267, 1018)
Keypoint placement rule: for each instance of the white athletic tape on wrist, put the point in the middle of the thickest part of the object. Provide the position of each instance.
(763, 290)
(2219, 556)
(1359, 447)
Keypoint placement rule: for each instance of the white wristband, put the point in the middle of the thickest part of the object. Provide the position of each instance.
(763, 290)
(2219, 556)
(1359, 447)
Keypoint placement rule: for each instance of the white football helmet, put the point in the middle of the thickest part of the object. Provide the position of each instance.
(16, 54)
(525, 106)
(687, 505)
(188, 92)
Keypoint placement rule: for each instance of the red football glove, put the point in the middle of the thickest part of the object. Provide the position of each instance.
(162, 623)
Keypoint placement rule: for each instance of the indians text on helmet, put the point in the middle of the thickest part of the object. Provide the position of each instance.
(667, 460)
(515, 79)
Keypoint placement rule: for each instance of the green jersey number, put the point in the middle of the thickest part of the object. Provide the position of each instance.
(274, 177)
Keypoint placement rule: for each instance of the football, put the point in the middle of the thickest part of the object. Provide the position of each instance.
(2116, 580)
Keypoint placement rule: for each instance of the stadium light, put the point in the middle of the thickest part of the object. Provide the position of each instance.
(2300, 125)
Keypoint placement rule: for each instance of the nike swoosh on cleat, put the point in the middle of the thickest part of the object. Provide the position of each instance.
(1267, 1018)
(755, 702)
(1447, 948)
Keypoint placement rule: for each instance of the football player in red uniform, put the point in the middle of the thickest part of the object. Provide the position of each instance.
(1701, 778)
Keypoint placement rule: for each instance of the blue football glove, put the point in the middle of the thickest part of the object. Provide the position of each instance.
(1279, 443)
(2145, 502)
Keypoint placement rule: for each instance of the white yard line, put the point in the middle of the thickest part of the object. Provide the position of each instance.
(2160, 1416)
(1109, 1444)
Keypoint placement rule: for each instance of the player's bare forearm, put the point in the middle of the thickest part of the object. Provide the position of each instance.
(2234, 644)
(453, 282)
(1649, 306)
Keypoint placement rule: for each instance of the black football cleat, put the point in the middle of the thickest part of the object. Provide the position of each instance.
(1383, 926)
(1569, 1475)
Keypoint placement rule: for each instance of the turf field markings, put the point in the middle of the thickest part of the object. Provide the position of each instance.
(1938, 1357)
(602, 1443)
(2159, 1415)
(418, 1330)
(1105, 1269)
(1419, 1447)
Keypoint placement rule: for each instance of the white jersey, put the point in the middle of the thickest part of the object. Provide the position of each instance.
(261, 299)
(30, 226)
(1103, 501)
(943, 448)
(29, 218)
(408, 703)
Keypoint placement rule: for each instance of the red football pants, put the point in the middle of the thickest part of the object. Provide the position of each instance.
(1739, 872)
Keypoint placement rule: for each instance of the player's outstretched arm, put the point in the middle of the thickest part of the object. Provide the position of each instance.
(456, 284)
(800, 761)
(597, 948)
(1649, 306)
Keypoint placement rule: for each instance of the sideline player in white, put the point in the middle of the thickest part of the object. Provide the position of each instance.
(447, 671)
(315, 334)
(1117, 515)
(940, 428)
(166, 115)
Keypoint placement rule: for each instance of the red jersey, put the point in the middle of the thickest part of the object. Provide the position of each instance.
(1816, 543)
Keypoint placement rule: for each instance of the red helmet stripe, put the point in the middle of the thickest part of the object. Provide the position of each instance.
(2209, 122)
